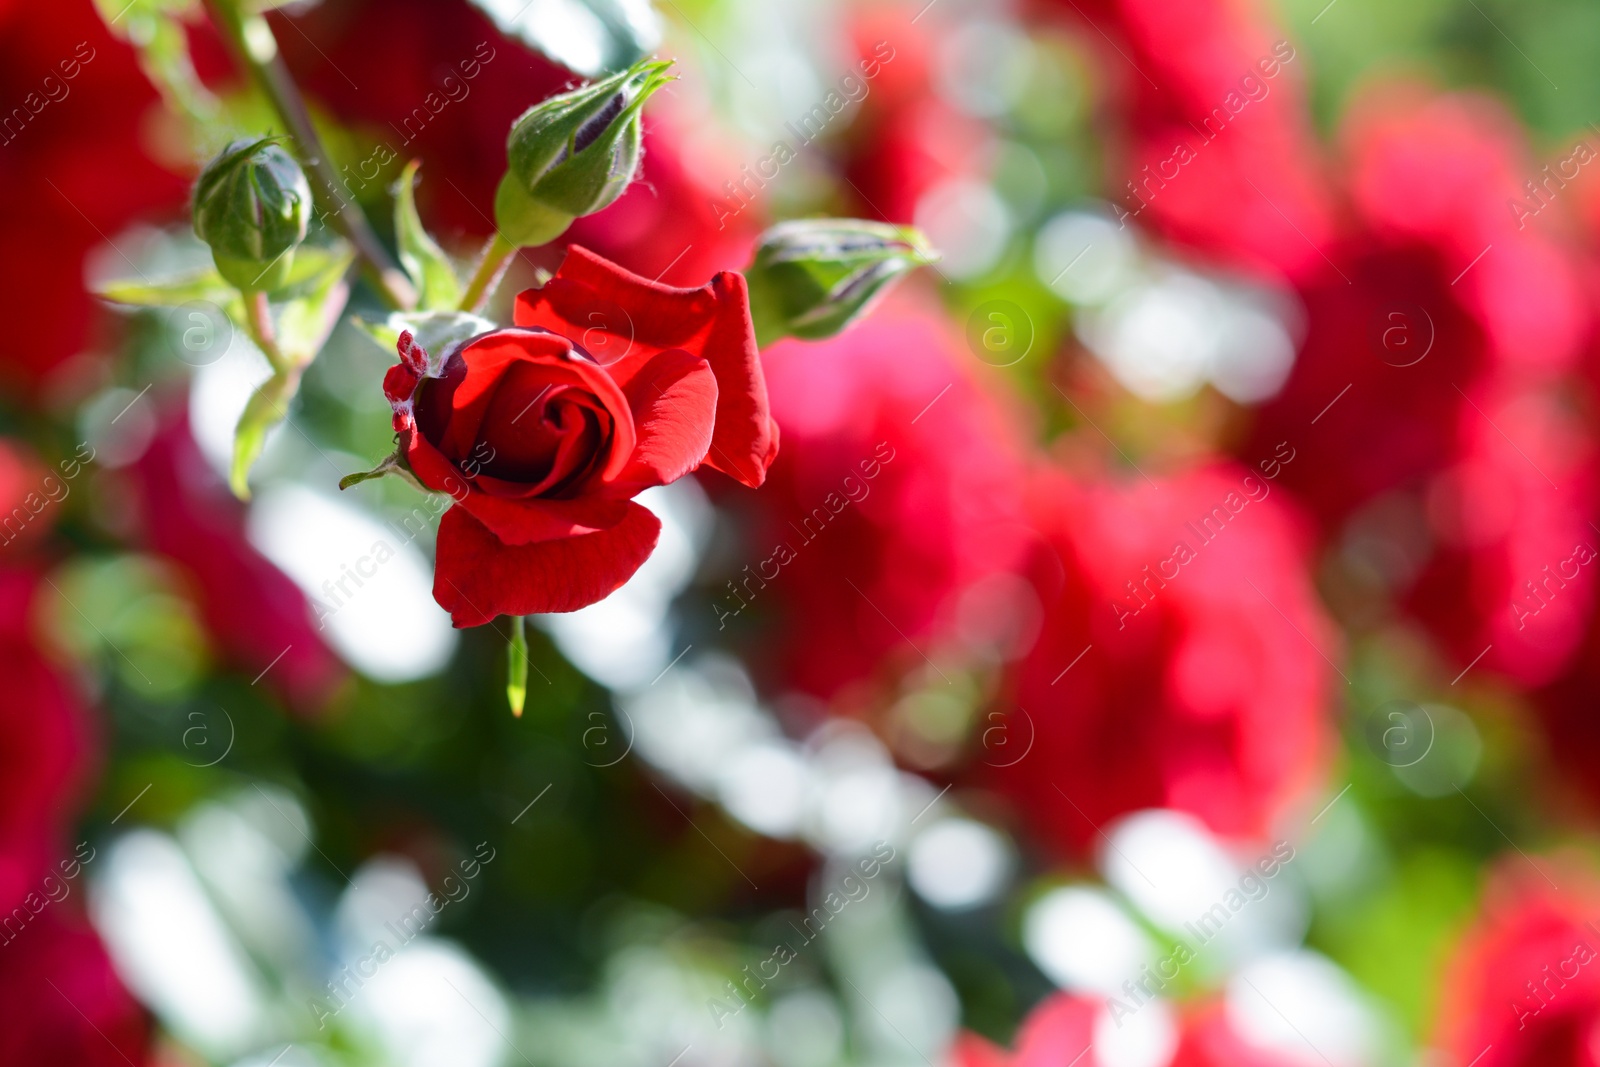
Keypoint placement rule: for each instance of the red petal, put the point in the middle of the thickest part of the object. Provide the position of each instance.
(477, 577)
(606, 310)
(514, 521)
(452, 409)
(674, 401)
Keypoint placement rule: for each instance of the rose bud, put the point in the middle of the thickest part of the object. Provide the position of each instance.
(252, 205)
(544, 432)
(813, 277)
(573, 154)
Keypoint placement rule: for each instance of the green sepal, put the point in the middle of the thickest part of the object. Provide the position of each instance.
(517, 666)
(435, 331)
(393, 463)
(430, 268)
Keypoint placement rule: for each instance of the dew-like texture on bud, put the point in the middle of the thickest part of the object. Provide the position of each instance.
(252, 205)
(812, 277)
(574, 154)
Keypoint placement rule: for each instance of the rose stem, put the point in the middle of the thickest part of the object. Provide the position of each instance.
(250, 39)
(258, 317)
(491, 268)
(517, 666)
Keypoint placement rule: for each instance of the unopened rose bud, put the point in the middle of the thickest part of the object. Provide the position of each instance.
(252, 205)
(574, 154)
(812, 277)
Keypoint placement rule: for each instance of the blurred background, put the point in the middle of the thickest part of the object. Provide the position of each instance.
(1167, 636)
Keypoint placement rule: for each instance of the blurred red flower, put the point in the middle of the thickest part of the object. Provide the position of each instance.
(254, 613)
(544, 517)
(61, 1003)
(75, 168)
(43, 745)
(899, 491)
(1523, 988)
(907, 138)
(1062, 1031)
(1445, 440)
(1059, 1030)
(1184, 662)
(1209, 1039)
(1221, 155)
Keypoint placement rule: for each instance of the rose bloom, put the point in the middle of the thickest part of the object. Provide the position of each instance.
(1181, 662)
(896, 504)
(544, 432)
(1523, 986)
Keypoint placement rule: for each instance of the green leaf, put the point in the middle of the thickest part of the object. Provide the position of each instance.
(156, 30)
(268, 406)
(316, 267)
(204, 284)
(430, 269)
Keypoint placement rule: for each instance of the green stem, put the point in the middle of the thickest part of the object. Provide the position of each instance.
(491, 268)
(517, 666)
(258, 318)
(251, 40)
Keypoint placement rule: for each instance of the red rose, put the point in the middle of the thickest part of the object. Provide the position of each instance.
(1181, 661)
(543, 433)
